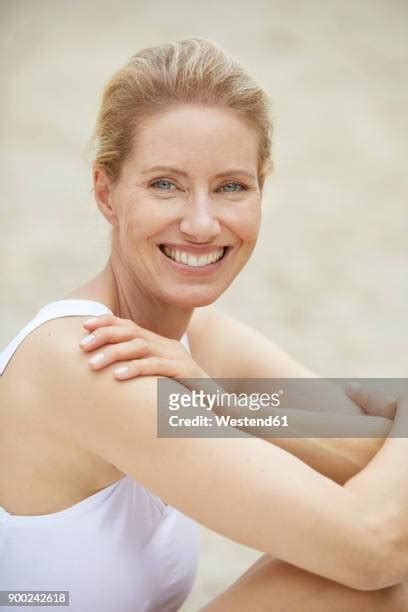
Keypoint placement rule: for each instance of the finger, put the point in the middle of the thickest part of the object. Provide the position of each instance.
(125, 351)
(151, 366)
(372, 401)
(107, 319)
(95, 322)
(107, 335)
(111, 320)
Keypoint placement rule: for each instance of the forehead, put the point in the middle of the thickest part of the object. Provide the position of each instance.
(194, 134)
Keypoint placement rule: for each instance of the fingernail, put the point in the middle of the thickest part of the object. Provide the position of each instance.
(96, 358)
(87, 339)
(90, 321)
(121, 370)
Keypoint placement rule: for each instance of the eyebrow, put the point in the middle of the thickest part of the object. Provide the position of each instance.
(182, 173)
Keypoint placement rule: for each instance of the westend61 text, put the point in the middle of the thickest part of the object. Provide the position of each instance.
(225, 421)
(207, 401)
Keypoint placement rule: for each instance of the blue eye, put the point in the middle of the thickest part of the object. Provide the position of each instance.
(168, 183)
(162, 181)
(243, 188)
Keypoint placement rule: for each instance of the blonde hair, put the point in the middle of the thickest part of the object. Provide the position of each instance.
(195, 70)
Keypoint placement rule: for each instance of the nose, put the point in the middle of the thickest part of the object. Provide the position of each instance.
(199, 222)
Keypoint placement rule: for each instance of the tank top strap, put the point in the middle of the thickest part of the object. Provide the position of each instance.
(53, 310)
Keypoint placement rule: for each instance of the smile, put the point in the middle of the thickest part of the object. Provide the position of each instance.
(193, 261)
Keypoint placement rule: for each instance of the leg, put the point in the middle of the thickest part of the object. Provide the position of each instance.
(271, 585)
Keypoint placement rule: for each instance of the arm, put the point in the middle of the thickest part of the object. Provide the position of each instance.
(313, 436)
(296, 514)
(227, 348)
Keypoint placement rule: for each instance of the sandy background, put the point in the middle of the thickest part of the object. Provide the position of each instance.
(328, 279)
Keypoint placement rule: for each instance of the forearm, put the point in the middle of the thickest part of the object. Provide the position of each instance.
(337, 458)
(337, 444)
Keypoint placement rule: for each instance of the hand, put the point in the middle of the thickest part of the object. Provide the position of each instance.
(146, 353)
(373, 402)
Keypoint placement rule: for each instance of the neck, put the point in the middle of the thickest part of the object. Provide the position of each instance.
(120, 292)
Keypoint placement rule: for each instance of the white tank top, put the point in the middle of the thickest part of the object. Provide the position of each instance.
(120, 550)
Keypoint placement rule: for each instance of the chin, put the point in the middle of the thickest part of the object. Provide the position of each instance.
(192, 299)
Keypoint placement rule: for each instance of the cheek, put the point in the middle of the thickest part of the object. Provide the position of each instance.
(143, 220)
(130, 229)
(247, 224)
(134, 217)
(128, 226)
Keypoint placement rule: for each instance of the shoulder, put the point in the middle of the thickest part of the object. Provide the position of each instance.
(75, 398)
(210, 318)
(199, 321)
(226, 347)
(38, 354)
(48, 346)
(217, 339)
(53, 352)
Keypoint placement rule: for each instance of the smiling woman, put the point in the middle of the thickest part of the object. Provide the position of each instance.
(91, 495)
(205, 222)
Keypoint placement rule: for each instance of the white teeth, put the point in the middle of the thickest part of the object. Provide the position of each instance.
(204, 259)
(193, 260)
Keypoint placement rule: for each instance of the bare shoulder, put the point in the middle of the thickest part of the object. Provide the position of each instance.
(55, 366)
(41, 352)
(34, 360)
(208, 338)
(50, 366)
(213, 320)
(226, 347)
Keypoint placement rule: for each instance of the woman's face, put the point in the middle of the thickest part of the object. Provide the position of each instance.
(172, 224)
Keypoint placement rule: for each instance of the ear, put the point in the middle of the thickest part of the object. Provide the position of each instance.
(103, 194)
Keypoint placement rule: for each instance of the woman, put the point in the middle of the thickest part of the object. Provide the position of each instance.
(183, 152)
